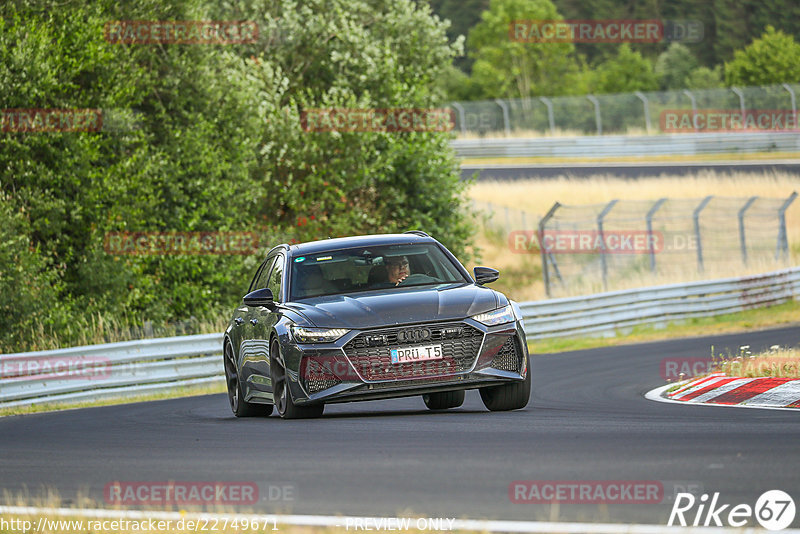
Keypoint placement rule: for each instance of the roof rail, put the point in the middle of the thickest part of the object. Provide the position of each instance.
(417, 232)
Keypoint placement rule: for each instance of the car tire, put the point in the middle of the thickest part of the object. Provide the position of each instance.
(508, 396)
(444, 400)
(281, 393)
(239, 406)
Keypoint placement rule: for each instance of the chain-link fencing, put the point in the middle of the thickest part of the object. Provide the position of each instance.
(764, 108)
(601, 246)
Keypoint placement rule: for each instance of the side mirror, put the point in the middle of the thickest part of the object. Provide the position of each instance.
(485, 275)
(260, 297)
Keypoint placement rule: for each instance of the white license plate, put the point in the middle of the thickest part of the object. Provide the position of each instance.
(417, 354)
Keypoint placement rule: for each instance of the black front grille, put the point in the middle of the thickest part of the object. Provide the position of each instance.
(508, 359)
(369, 352)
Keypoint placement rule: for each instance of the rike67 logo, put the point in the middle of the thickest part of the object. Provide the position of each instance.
(774, 510)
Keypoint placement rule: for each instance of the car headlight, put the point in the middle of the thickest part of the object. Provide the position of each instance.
(305, 334)
(498, 316)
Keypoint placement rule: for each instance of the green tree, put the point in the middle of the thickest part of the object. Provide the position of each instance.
(774, 58)
(625, 72)
(705, 78)
(673, 67)
(347, 54)
(463, 15)
(511, 69)
(207, 138)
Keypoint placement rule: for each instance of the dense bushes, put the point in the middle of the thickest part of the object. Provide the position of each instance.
(205, 138)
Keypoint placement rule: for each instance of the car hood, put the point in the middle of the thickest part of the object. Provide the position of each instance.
(398, 306)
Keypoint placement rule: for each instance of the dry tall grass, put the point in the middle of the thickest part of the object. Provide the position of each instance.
(536, 197)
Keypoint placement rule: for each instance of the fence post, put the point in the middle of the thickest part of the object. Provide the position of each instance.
(794, 102)
(646, 110)
(740, 94)
(696, 217)
(742, 239)
(462, 117)
(649, 219)
(694, 107)
(600, 218)
(550, 119)
(542, 225)
(783, 241)
(597, 120)
(506, 118)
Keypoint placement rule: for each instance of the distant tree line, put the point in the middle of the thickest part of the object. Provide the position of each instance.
(744, 42)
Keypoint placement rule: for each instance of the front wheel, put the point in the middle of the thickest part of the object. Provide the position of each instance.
(508, 396)
(239, 406)
(444, 400)
(282, 397)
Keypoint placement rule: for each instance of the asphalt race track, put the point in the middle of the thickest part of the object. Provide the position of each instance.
(588, 420)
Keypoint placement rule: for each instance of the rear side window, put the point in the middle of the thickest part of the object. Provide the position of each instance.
(263, 276)
(275, 278)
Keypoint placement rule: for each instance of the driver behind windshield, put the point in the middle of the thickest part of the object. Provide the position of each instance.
(397, 268)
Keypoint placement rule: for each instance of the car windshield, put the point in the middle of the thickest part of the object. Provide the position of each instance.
(371, 268)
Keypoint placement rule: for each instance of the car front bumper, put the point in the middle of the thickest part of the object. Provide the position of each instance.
(358, 365)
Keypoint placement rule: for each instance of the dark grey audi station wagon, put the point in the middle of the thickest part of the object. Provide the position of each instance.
(372, 317)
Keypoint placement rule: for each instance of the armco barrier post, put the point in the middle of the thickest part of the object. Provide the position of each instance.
(782, 245)
(742, 239)
(542, 227)
(649, 220)
(696, 217)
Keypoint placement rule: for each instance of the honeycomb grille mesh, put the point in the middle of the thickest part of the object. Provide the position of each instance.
(317, 378)
(508, 359)
(374, 363)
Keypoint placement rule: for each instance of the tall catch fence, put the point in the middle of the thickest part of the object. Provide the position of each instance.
(596, 247)
(761, 108)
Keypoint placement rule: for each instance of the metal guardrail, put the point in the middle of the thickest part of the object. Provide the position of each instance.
(161, 365)
(608, 313)
(97, 372)
(684, 144)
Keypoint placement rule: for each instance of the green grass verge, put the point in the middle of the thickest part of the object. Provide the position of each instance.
(757, 319)
(187, 391)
